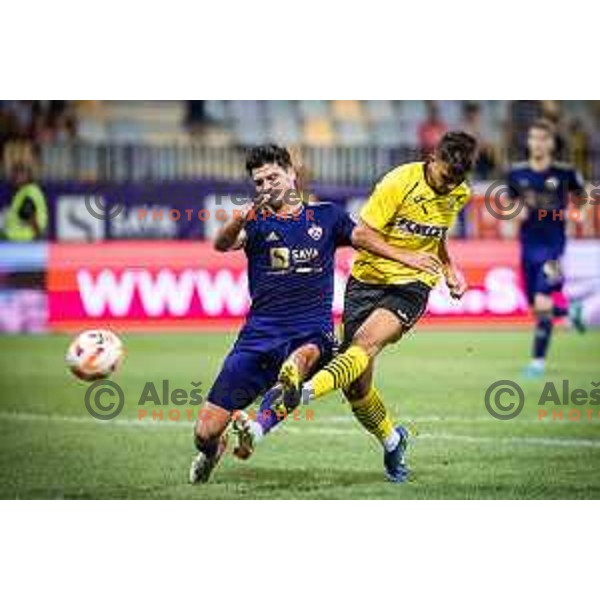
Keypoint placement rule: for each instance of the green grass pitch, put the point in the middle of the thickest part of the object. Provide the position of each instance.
(434, 380)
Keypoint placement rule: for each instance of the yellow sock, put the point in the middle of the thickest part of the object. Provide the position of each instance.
(373, 416)
(340, 372)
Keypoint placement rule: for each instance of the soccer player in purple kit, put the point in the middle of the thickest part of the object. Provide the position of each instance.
(543, 186)
(290, 248)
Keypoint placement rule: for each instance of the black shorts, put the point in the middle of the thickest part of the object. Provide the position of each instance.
(407, 301)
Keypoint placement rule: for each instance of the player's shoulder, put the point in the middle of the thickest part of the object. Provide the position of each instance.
(462, 191)
(404, 173)
(324, 209)
(401, 178)
(519, 167)
(563, 167)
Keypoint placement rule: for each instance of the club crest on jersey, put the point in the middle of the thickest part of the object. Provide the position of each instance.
(315, 232)
(453, 201)
(551, 183)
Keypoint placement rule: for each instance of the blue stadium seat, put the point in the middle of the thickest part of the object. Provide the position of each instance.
(387, 134)
(250, 132)
(284, 130)
(92, 130)
(353, 133)
(379, 110)
(246, 110)
(277, 110)
(124, 131)
(216, 110)
(450, 112)
(311, 109)
(412, 110)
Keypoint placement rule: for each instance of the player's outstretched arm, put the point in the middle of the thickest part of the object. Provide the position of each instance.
(367, 238)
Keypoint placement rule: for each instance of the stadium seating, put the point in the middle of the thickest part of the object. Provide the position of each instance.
(386, 123)
(167, 135)
(132, 122)
(318, 131)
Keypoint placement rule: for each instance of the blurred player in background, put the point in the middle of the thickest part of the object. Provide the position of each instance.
(290, 248)
(543, 186)
(403, 254)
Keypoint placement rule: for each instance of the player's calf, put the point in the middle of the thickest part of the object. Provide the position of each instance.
(543, 310)
(381, 328)
(210, 439)
(370, 411)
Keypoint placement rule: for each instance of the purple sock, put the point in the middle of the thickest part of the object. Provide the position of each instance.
(267, 418)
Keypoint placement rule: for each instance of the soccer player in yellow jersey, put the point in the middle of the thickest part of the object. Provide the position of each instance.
(402, 236)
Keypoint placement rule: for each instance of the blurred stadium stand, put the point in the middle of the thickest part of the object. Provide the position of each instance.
(167, 167)
(341, 141)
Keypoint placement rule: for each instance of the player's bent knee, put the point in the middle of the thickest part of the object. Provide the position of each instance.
(542, 312)
(367, 342)
(542, 304)
(211, 423)
(375, 335)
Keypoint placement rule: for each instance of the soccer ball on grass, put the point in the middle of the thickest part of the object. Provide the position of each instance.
(95, 354)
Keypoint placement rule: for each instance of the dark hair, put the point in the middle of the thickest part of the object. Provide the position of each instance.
(544, 125)
(459, 150)
(265, 155)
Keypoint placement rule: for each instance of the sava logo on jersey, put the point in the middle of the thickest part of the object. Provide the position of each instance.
(284, 258)
(304, 255)
(404, 224)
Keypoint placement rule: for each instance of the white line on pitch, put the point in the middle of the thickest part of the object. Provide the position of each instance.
(455, 419)
(318, 430)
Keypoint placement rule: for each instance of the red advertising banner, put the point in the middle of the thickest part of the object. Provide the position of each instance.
(187, 285)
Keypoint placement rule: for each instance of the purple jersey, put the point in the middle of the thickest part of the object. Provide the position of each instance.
(291, 273)
(542, 234)
(291, 265)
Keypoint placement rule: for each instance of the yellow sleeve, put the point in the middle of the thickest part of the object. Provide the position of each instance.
(466, 198)
(384, 201)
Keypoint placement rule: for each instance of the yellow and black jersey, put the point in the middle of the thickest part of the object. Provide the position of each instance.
(410, 215)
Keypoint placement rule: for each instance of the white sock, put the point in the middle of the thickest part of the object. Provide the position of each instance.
(307, 393)
(257, 431)
(391, 441)
(538, 362)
